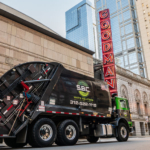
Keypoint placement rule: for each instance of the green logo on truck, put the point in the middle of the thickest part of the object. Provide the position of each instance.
(83, 88)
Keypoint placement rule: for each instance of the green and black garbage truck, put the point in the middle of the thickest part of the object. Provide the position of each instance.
(42, 103)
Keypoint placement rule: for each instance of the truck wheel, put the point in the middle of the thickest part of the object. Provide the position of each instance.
(68, 133)
(12, 143)
(43, 133)
(92, 139)
(123, 133)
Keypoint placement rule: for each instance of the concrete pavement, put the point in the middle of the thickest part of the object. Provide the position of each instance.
(103, 144)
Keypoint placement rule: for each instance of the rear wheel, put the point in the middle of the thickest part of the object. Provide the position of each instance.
(43, 133)
(12, 143)
(68, 133)
(92, 139)
(123, 133)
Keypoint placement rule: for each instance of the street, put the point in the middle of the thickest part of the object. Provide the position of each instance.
(103, 144)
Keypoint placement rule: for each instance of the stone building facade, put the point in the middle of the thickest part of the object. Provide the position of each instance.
(137, 90)
(23, 39)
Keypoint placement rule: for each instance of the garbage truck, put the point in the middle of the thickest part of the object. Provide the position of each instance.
(43, 103)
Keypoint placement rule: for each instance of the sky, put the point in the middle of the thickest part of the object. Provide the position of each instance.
(49, 12)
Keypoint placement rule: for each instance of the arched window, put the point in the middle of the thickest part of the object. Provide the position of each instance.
(138, 101)
(145, 101)
(124, 92)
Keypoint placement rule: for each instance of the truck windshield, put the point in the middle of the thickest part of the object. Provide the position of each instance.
(123, 103)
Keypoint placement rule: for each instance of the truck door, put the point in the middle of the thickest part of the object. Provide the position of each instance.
(122, 108)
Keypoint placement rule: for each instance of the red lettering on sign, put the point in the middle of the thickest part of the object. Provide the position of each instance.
(107, 49)
(106, 35)
(110, 59)
(111, 84)
(105, 24)
(109, 72)
(104, 14)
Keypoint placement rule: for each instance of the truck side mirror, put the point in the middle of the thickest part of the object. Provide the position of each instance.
(114, 94)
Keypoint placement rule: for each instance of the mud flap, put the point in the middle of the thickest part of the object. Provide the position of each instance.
(22, 135)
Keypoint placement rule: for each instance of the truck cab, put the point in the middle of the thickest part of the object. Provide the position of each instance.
(122, 109)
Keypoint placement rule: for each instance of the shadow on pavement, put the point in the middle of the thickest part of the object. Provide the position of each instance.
(53, 146)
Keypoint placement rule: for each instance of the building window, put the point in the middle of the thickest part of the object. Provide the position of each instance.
(149, 13)
(146, 110)
(145, 19)
(149, 41)
(147, 6)
(124, 92)
(147, 33)
(143, 4)
(144, 12)
(138, 108)
(146, 26)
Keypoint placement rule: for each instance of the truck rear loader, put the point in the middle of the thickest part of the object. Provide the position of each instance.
(42, 103)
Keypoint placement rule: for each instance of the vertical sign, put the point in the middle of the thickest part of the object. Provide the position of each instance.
(107, 50)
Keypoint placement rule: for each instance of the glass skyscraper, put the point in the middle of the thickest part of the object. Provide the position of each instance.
(81, 26)
(126, 36)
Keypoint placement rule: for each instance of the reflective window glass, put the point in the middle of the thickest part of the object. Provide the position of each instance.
(104, 3)
(120, 18)
(81, 33)
(124, 3)
(128, 28)
(138, 42)
(132, 58)
(119, 5)
(140, 57)
(124, 45)
(133, 66)
(116, 35)
(100, 40)
(99, 4)
(111, 4)
(129, 36)
(127, 21)
(119, 61)
(99, 30)
(122, 31)
(127, 67)
(131, 2)
(136, 27)
(130, 43)
(134, 14)
(142, 72)
(126, 15)
(98, 18)
(136, 70)
(126, 59)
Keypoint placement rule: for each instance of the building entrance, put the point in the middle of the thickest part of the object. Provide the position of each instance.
(142, 128)
(149, 128)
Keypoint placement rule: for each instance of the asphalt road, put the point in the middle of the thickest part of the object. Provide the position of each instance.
(103, 144)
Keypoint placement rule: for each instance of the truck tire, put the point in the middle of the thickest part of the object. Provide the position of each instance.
(123, 133)
(12, 143)
(92, 139)
(58, 142)
(43, 133)
(68, 133)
